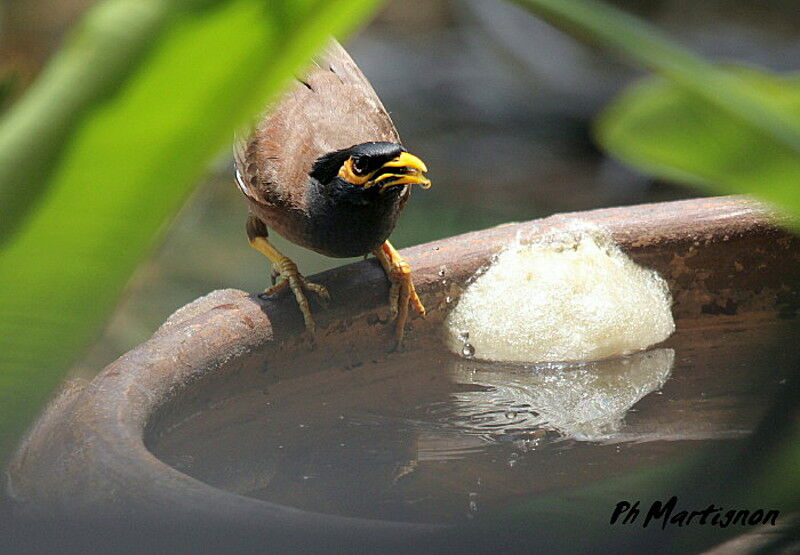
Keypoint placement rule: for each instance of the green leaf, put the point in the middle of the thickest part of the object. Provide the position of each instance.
(645, 45)
(673, 133)
(103, 151)
(103, 52)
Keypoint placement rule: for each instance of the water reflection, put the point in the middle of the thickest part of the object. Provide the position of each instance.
(585, 401)
(426, 436)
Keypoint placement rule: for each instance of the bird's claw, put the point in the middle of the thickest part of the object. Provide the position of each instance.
(298, 283)
(401, 289)
(402, 293)
(320, 290)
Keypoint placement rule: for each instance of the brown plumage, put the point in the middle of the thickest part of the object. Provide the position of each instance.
(301, 172)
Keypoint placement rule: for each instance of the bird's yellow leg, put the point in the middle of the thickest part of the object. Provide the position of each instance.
(287, 269)
(401, 291)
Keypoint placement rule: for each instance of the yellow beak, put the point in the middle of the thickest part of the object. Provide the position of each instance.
(409, 170)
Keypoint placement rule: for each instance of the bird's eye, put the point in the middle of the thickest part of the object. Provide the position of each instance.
(359, 166)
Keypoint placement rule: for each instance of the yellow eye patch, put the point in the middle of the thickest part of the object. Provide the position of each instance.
(346, 172)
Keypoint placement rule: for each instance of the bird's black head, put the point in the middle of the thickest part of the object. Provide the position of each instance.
(365, 165)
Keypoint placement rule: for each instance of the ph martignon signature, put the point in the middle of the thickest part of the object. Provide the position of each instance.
(626, 512)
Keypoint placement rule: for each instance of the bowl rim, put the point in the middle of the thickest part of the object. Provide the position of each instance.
(87, 456)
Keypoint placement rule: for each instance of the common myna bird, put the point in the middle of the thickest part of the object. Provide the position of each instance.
(325, 169)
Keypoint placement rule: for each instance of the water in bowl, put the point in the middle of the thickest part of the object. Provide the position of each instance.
(427, 436)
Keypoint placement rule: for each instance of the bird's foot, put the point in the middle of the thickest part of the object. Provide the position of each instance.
(299, 284)
(283, 266)
(402, 292)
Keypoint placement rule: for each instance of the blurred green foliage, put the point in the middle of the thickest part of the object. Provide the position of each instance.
(98, 156)
(102, 151)
(674, 133)
(722, 121)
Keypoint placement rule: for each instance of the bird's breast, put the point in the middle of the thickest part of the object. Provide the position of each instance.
(344, 227)
(335, 226)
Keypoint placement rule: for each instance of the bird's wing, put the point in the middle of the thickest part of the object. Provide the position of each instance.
(332, 107)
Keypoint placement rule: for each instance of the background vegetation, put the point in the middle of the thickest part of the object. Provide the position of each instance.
(99, 154)
(102, 150)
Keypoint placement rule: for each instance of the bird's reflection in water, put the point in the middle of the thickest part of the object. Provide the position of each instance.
(581, 401)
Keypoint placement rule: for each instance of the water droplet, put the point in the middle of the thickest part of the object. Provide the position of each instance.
(448, 299)
(302, 425)
(441, 272)
(473, 502)
(511, 414)
(467, 351)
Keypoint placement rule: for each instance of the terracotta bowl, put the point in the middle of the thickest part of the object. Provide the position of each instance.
(88, 454)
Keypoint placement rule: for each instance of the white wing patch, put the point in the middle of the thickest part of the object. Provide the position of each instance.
(242, 186)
